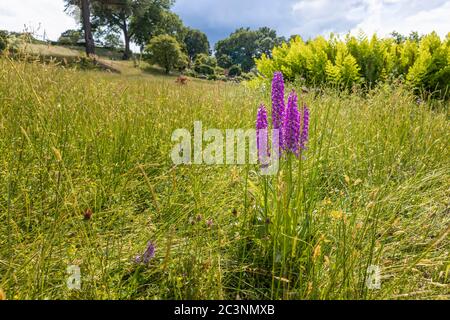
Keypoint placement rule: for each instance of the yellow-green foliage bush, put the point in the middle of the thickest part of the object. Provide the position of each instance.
(423, 64)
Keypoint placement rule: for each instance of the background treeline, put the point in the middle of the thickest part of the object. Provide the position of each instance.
(423, 63)
(164, 40)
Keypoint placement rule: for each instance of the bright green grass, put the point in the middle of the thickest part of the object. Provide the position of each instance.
(376, 185)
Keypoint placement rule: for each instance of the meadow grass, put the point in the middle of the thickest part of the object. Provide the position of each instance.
(373, 189)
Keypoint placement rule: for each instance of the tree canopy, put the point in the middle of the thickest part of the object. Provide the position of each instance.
(70, 37)
(165, 51)
(196, 43)
(244, 46)
(136, 19)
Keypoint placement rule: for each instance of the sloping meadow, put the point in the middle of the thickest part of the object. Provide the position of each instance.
(87, 180)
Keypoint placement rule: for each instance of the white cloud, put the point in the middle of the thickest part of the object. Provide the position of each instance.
(218, 19)
(39, 16)
(315, 17)
(383, 17)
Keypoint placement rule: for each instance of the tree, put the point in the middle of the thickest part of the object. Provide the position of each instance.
(204, 69)
(267, 40)
(414, 36)
(398, 37)
(85, 7)
(165, 51)
(70, 37)
(245, 45)
(112, 40)
(116, 14)
(293, 37)
(196, 42)
(203, 58)
(131, 16)
(235, 71)
(155, 19)
(108, 37)
(86, 16)
(3, 40)
(224, 61)
(205, 64)
(171, 24)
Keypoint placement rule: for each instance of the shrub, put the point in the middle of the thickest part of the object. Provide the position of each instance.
(204, 59)
(219, 71)
(225, 61)
(165, 51)
(183, 63)
(431, 70)
(423, 61)
(234, 71)
(190, 73)
(345, 70)
(3, 40)
(248, 76)
(204, 69)
(222, 78)
(70, 37)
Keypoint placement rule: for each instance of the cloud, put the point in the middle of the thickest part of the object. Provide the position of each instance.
(383, 17)
(42, 17)
(310, 18)
(218, 19)
(313, 17)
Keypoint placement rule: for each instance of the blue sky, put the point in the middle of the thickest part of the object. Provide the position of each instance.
(310, 18)
(218, 18)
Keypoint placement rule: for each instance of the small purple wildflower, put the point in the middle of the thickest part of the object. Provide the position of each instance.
(278, 103)
(291, 126)
(209, 223)
(305, 128)
(262, 140)
(149, 252)
(148, 255)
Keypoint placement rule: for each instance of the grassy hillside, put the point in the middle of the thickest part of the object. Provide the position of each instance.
(376, 184)
(72, 56)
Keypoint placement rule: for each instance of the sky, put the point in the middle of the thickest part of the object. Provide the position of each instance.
(218, 18)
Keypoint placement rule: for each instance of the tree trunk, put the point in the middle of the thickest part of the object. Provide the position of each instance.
(86, 14)
(127, 53)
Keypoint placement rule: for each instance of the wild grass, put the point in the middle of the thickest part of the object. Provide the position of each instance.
(374, 190)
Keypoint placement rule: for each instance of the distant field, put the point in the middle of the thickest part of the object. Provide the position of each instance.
(375, 186)
(49, 50)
